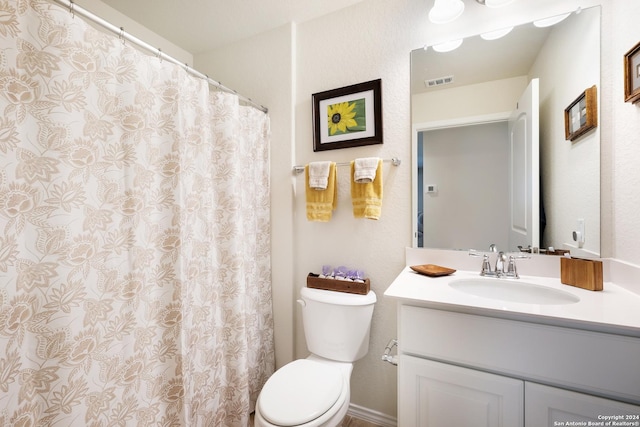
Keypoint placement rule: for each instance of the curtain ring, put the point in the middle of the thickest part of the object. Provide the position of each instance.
(71, 11)
(121, 36)
(159, 54)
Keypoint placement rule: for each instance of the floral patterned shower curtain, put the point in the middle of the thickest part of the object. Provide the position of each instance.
(134, 234)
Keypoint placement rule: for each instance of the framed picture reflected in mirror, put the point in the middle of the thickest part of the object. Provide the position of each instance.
(581, 115)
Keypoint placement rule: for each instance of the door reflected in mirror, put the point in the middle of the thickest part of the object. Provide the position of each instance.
(473, 183)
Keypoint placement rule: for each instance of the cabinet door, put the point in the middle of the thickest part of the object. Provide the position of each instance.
(550, 406)
(433, 394)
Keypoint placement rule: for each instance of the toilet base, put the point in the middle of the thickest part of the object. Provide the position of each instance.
(334, 416)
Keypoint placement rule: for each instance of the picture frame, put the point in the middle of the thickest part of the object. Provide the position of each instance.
(581, 115)
(632, 74)
(350, 116)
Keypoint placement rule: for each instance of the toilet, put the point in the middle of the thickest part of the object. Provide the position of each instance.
(315, 392)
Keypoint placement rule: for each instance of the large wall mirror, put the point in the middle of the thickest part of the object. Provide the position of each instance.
(491, 164)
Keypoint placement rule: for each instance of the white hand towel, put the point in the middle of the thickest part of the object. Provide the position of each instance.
(319, 175)
(365, 169)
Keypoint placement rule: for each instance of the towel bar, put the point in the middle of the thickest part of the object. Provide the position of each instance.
(394, 161)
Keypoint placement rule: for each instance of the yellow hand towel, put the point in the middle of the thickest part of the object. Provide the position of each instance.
(367, 197)
(321, 203)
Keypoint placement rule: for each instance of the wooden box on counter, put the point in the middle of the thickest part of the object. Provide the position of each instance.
(582, 273)
(339, 285)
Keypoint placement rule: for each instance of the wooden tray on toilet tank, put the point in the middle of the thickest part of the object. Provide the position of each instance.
(338, 285)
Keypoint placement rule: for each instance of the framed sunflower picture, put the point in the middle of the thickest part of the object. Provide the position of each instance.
(348, 117)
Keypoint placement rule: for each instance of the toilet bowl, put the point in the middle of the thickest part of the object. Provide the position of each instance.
(311, 392)
(315, 392)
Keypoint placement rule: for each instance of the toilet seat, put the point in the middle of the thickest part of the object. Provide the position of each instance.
(300, 392)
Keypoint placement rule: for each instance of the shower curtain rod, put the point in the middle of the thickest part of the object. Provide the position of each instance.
(119, 31)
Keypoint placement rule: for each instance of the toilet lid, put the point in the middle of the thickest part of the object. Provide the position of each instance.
(300, 392)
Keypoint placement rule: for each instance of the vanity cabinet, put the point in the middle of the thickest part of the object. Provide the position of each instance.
(554, 406)
(440, 394)
(474, 370)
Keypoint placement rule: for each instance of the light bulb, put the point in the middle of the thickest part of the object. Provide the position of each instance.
(494, 35)
(447, 46)
(497, 3)
(445, 11)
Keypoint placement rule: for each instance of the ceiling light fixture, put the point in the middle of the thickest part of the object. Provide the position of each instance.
(495, 35)
(497, 3)
(445, 11)
(447, 46)
(541, 23)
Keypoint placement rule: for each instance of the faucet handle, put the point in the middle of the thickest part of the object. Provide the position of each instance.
(473, 252)
(512, 271)
(486, 266)
(521, 255)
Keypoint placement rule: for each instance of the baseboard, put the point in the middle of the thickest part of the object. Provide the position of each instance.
(372, 416)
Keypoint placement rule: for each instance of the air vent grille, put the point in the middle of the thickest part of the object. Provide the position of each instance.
(438, 81)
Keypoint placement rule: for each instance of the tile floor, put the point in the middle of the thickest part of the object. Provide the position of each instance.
(355, 422)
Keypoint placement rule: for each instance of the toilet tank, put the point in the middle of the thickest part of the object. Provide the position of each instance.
(337, 324)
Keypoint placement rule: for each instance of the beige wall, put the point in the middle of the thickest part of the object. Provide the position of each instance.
(283, 68)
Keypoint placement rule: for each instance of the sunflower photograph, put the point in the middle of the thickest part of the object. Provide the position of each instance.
(348, 117)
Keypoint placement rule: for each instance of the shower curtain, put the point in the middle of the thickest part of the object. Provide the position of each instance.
(134, 234)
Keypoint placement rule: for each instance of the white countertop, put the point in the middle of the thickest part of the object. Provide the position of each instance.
(612, 310)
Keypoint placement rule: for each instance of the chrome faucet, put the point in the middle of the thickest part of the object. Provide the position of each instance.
(505, 265)
(501, 261)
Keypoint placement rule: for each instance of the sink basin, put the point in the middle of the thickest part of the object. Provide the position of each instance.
(514, 291)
